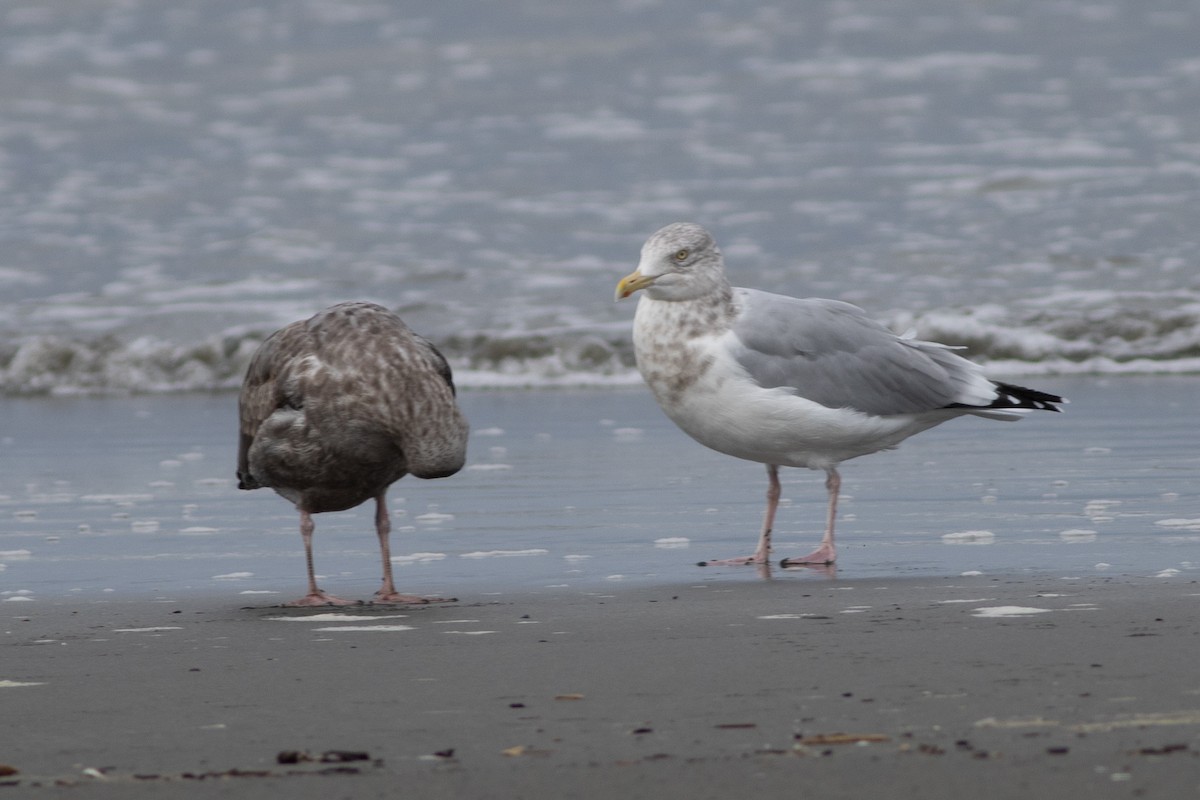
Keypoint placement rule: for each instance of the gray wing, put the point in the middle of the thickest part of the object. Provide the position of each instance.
(834, 354)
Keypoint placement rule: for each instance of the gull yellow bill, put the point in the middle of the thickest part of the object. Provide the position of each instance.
(631, 283)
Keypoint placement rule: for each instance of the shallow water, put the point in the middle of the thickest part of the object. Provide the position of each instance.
(178, 179)
(592, 490)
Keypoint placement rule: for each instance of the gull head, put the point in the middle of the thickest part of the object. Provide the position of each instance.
(679, 262)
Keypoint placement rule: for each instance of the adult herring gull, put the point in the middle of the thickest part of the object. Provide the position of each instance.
(335, 409)
(787, 381)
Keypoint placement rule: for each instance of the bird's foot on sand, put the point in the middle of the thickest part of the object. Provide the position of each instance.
(823, 556)
(390, 598)
(316, 599)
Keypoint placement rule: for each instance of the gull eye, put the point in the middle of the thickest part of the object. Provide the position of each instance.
(681, 255)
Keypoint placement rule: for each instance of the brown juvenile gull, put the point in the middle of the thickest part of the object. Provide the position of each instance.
(337, 408)
(787, 381)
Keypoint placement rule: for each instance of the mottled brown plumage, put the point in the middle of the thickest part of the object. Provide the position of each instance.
(336, 408)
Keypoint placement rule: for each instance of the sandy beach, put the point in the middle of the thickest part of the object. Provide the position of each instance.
(1013, 614)
(681, 690)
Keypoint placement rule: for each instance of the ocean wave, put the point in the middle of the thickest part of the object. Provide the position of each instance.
(1098, 332)
(59, 364)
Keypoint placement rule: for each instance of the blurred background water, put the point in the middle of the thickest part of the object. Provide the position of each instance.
(178, 179)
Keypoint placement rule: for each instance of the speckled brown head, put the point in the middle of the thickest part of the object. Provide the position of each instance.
(679, 262)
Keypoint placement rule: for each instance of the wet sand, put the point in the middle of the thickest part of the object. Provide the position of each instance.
(845, 688)
(1055, 657)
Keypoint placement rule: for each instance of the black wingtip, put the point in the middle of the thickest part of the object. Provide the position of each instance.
(1009, 395)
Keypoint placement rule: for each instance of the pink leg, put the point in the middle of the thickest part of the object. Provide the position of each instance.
(826, 553)
(387, 592)
(315, 596)
(762, 553)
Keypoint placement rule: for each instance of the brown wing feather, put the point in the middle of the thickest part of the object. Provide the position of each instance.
(359, 380)
(262, 391)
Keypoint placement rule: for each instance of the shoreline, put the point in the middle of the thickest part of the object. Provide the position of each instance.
(587, 655)
(104, 497)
